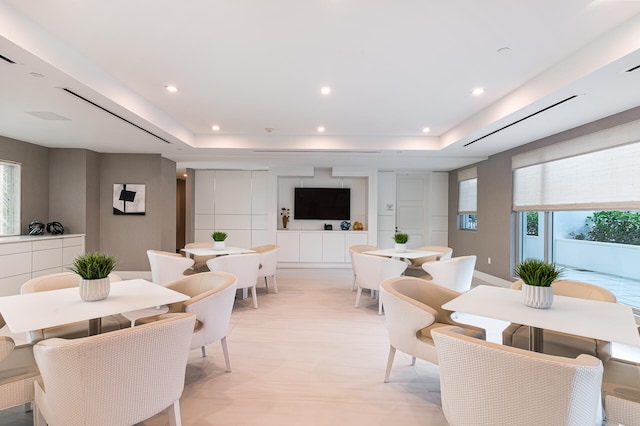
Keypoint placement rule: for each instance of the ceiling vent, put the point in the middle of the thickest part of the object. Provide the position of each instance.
(522, 119)
(71, 92)
(306, 151)
(46, 115)
(4, 58)
(633, 69)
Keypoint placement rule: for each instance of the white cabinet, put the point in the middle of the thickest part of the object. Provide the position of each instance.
(25, 257)
(317, 248)
(354, 239)
(310, 246)
(333, 247)
(289, 242)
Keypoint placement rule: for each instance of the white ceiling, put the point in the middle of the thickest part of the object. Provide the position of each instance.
(394, 67)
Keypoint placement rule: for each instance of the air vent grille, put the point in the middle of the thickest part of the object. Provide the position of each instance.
(633, 69)
(4, 58)
(305, 151)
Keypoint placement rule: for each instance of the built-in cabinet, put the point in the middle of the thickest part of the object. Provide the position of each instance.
(311, 248)
(25, 257)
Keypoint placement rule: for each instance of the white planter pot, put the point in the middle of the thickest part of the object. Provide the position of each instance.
(401, 248)
(218, 245)
(93, 290)
(537, 297)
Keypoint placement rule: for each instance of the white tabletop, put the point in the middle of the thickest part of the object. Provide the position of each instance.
(206, 251)
(409, 254)
(608, 321)
(34, 311)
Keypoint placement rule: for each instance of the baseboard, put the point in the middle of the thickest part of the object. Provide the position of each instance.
(499, 282)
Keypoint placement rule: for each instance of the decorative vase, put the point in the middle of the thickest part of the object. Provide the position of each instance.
(537, 296)
(93, 290)
(401, 248)
(285, 220)
(218, 245)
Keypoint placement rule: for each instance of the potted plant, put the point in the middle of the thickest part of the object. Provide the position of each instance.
(94, 270)
(401, 241)
(218, 240)
(537, 277)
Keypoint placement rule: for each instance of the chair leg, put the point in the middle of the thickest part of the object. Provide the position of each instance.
(358, 296)
(204, 351)
(225, 351)
(413, 361)
(174, 414)
(266, 283)
(353, 286)
(392, 354)
(275, 283)
(28, 407)
(244, 293)
(379, 306)
(255, 297)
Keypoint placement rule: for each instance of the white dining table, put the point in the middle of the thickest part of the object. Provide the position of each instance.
(206, 251)
(596, 319)
(408, 254)
(35, 311)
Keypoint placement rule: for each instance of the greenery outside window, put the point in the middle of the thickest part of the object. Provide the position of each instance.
(9, 198)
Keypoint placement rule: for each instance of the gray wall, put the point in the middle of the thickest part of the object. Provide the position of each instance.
(35, 179)
(494, 237)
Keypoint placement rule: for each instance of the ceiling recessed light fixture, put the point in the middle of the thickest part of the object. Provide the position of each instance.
(320, 129)
(215, 127)
(477, 91)
(325, 90)
(171, 89)
(426, 130)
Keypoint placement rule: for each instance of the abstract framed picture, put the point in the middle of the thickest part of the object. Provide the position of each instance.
(128, 198)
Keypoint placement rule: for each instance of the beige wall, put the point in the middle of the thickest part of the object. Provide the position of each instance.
(494, 237)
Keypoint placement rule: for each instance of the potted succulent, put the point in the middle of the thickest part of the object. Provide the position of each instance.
(94, 270)
(218, 240)
(537, 277)
(401, 241)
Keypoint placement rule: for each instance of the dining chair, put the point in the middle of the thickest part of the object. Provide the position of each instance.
(563, 344)
(268, 263)
(372, 271)
(18, 372)
(79, 329)
(358, 248)
(113, 379)
(167, 267)
(486, 384)
(621, 392)
(243, 266)
(455, 273)
(200, 262)
(415, 268)
(413, 308)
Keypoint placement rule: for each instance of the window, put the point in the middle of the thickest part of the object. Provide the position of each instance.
(467, 199)
(9, 198)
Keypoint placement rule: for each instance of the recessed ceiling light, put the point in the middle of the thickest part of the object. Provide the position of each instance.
(477, 91)
(426, 130)
(171, 89)
(215, 127)
(325, 90)
(320, 129)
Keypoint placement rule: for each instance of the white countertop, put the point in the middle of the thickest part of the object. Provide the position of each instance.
(29, 238)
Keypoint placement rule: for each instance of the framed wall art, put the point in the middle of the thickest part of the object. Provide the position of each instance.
(128, 198)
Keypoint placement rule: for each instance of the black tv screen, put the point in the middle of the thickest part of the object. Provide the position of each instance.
(322, 203)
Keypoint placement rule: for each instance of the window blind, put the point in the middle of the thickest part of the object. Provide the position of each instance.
(468, 191)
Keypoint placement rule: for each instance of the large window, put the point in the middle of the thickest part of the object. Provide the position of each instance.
(468, 199)
(10, 198)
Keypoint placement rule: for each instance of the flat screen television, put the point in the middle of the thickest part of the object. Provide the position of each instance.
(322, 203)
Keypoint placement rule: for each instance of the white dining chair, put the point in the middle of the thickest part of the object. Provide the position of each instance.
(372, 271)
(268, 263)
(243, 266)
(167, 267)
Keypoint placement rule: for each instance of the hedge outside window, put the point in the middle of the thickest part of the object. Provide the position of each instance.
(9, 198)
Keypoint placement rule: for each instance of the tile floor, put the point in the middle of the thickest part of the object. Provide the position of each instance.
(305, 357)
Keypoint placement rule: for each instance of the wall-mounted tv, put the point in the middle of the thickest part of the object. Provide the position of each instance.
(322, 203)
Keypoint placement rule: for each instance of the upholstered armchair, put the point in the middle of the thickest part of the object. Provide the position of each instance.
(212, 296)
(68, 331)
(372, 271)
(621, 392)
(167, 267)
(359, 248)
(455, 273)
(243, 266)
(562, 344)
(268, 263)
(415, 268)
(18, 372)
(487, 384)
(113, 379)
(200, 262)
(413, 309)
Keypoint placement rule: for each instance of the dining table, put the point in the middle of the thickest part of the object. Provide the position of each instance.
(407, 254)
(210, 251)
(35, 311)
(596, 319)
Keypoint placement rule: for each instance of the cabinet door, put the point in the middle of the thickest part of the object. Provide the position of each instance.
(289, 242)
(232, 192)
(310, 246)
(333, 247)
(354, 239)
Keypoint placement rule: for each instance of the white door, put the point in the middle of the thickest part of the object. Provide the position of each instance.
(410, 201)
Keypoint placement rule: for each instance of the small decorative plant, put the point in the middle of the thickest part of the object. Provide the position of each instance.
(219, 236)
(537, 272)
(93, 266)
(284, 212)
(400, 238)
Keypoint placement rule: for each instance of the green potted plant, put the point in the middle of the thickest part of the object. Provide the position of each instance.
(537, 276)
(218, 239)
(94, 270)
(401, 239)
